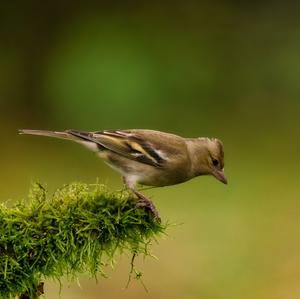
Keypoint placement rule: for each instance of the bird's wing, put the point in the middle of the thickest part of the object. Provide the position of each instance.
(130, 144)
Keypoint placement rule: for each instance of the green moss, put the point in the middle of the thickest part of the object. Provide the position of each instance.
(78, 229)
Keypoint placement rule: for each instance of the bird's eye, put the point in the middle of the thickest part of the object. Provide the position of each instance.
(215, 162)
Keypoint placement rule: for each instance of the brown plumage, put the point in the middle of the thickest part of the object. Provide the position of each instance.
(150, 157)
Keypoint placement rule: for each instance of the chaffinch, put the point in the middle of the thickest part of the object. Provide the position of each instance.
(149, 157)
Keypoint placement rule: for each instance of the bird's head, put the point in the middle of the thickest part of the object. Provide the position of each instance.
(215, 159)
(209, 156)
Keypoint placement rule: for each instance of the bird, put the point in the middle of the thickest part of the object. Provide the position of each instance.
(149, 157)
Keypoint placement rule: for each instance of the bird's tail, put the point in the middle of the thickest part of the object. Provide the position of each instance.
(61, 135)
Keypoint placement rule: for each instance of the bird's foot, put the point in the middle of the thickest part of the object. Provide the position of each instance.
(144, 202)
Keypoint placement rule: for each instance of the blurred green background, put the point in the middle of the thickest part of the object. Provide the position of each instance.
(214, 68)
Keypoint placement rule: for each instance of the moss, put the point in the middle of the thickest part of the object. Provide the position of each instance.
(78, 229)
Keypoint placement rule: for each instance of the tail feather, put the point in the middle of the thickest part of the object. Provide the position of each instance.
(90, 144)
(61, 135)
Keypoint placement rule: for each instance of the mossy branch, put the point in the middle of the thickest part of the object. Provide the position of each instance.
(78, 229)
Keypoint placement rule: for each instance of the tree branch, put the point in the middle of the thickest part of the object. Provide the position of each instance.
(78, 229)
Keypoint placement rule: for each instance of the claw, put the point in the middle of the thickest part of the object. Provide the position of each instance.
(144, 202)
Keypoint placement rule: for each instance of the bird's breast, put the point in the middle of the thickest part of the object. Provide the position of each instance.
(159, 178)
(143, 173)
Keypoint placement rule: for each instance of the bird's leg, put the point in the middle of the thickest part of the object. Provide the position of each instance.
(125, 182)
(143, 201)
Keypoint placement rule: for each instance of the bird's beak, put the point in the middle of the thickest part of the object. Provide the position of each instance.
(219, 175)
